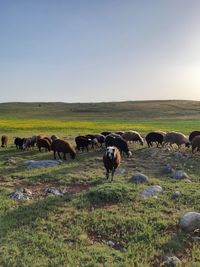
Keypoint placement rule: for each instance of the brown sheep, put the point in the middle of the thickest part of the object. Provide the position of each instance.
(44, 143)
(133, 136)
(4, 141)
(111, 160)
(59, 145)
(195, 143)
(48, 139)
(176, 138)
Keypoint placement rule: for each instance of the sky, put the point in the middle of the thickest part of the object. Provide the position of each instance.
(99, 50)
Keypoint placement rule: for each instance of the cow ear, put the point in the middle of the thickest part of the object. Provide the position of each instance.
(113, 150)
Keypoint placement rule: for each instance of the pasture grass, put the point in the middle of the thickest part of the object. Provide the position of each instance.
(75, 230)
(79, 228)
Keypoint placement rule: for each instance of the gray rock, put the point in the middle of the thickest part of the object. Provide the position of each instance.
(11, 162)
(178, 155)
(21, 194)
(139, 178)
(167, 169)
(54, 191)
(190, 221)
(32, 164)
(176, 195)
(180, 174)
(171, 261)
(151, 191)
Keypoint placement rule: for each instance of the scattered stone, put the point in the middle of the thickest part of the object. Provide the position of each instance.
(139, 178)
(54, 191)
(180, 174)
(120, 171)
(32, 164)
(187, 181)
(151, 191)
(176, 195)
(167, 169)
(190, 221)
(10, 162)
(178, 155)
(171, 261)
(167, 149)
(116, 245)
(21, 194)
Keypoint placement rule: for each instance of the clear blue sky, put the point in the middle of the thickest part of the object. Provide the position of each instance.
(99, 50)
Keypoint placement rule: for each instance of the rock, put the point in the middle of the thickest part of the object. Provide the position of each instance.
(180, 174)
(54, 191)
(110, 243)
(176, 195)
(11, 162)
(120, 171)
(167, 149)
(21, 194)
(167, 169)
(178, 155)
(190, 221)
(32, 164)
(151, 191)
(139, 178)
(171, 261)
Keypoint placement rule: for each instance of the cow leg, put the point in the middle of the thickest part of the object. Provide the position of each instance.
(40, 149)
(64, 156)
(54, 153)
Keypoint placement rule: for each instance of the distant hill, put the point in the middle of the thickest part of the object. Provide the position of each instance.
(129, 110)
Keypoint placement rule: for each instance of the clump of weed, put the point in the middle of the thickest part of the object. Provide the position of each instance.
(110, 194)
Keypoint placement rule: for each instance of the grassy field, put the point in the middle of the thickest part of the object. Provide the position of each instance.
(79, 228)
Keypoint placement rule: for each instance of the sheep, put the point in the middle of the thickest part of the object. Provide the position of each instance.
(195, 143)
(133, 136)
(111, 160)
(82, 142)
(19, 142)
(155, 137)
(42, 142)
(94, 141)
(100, 138)
(176, 138)
(59, 145)
(118, 142)
(54, 137)
(193, 134)
(30, 142)
(4, 141)
(119, 133)
(105, 133)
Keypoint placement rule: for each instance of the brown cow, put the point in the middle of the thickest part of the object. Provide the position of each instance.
(4, 141)
(59, 145)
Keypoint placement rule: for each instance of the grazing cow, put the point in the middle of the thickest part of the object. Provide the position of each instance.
(133, 136)
(59, 145)
(111, 160)
(193, 134)
(4, 141)
(43, 143)
(155, 137)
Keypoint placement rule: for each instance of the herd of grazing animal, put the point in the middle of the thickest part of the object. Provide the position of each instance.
(116, 144)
